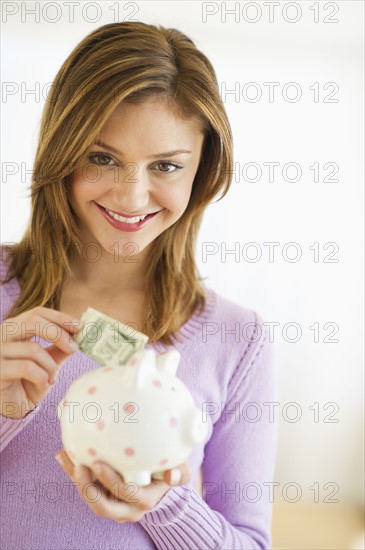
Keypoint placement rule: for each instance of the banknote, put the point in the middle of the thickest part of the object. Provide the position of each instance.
(107, 341)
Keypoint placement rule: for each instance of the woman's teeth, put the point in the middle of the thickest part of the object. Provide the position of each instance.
(126, 220)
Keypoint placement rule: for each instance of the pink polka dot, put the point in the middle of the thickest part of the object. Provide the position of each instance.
(173, 422)
(100, 425)
(91, 452)
(129, 451)
(91, 390)
(163, 461)
(128, 408)
(157, 384)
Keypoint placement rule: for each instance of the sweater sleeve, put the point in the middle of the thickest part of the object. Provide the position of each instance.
(9, 427)
(238, 467)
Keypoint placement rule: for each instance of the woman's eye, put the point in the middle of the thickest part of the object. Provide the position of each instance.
(169, 164)
(101, 159)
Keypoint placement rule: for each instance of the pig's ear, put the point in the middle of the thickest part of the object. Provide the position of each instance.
(144, 365)
(168, 361)
(135, 359)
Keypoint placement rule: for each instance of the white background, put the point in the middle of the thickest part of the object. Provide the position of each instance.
(305, 212)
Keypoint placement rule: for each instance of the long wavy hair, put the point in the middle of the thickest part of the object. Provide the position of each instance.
(127, 61)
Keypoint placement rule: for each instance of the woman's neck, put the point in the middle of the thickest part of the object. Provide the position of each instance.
(109, 272)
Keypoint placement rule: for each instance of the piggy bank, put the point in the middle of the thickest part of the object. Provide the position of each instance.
(139, 417)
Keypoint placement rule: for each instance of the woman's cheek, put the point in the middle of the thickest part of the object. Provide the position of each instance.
(178, 203)
(186, 194)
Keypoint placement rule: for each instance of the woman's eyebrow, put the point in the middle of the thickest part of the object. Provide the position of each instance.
(168, 154)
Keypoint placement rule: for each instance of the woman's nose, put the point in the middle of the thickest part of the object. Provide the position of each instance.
(132, 191)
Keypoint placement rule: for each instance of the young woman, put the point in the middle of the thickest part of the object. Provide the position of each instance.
(134, 144)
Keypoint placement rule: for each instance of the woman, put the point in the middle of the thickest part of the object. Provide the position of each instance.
(134, 144)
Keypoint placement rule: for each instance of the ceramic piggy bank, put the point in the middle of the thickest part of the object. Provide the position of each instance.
(139, 417)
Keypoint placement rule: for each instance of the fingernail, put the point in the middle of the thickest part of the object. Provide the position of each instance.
(175, 476)
(97, 468)
(79, 472)
(73, 345)
(59, 460)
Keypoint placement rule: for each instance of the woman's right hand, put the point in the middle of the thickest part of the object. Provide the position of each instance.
(28, 371)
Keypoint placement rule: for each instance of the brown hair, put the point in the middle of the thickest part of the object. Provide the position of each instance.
(127, 61)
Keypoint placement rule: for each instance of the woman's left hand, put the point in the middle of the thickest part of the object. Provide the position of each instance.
(111, 497)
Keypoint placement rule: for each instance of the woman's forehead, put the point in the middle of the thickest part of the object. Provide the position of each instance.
(149, 122)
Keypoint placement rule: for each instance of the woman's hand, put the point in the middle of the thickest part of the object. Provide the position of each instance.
(109, 496)
(28, 371)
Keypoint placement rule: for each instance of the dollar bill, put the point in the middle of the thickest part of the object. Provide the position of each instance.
(107, 341)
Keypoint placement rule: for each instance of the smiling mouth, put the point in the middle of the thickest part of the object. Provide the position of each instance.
(127, 219)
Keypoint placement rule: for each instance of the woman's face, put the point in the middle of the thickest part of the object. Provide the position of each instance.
(130, 173)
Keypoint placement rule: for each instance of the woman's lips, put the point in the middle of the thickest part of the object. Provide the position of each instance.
(126, 215)
(125, 226)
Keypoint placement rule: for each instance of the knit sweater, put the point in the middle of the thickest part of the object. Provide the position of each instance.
(227, 365)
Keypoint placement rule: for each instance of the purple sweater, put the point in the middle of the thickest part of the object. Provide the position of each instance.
(226, 362)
